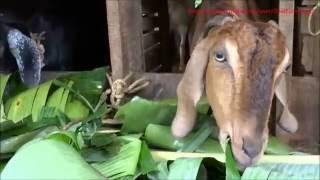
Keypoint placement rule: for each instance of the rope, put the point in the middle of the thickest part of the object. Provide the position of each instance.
(310, 19)
(38, 37)
(119, 88)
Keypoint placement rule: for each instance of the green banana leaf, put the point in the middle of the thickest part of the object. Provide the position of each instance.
(232, 172)
(90, 84)
(3, 81)
(275, 171)
(198, 141)
(40, 100)
(75, 110)
(124, 163)
(139, 112)
(185, 168)
(20, 106)
(48, 159)
(146, 161)
(275, 146)
(12, 144)
(162, 171)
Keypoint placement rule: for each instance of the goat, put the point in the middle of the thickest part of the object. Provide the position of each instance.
(180, 21)
(242, 64)
(29, 54)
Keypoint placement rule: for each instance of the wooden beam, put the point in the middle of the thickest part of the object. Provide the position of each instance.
(125, 36)
(304, 103)
(286, 22)
(162, 85)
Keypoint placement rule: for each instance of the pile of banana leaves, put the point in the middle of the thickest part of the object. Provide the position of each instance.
(64, 129)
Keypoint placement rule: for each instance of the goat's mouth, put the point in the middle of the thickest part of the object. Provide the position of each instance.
(242, 157)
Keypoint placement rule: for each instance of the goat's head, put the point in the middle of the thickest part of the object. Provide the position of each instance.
(241, 63)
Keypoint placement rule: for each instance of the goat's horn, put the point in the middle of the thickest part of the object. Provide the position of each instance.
(273, 23)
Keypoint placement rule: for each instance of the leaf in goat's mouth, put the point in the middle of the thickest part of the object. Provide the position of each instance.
(232, 171)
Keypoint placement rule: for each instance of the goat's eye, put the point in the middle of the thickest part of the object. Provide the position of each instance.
(220, 57)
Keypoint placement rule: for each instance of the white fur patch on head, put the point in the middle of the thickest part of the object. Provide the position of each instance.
(233, 58)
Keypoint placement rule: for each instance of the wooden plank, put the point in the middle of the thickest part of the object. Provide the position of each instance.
(119, 66)
(305, 104)
(153, 57)
(316, 47)
(149, 24)
(125, 36)
(162, 85)
(286, 23)
(308, 53)
(150, 39)
(309, 2)
(149, 6)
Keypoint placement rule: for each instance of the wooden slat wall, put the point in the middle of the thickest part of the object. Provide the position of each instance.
(286, 22)
(303, 88)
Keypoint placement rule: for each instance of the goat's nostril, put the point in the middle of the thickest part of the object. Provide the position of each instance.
(251, 148)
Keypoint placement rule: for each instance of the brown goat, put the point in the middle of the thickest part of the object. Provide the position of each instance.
(241, 63)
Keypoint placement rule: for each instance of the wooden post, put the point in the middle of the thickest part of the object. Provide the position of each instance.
(125, 36)
(286, 22)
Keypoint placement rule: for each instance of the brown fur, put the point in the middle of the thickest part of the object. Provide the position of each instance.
(239, 90)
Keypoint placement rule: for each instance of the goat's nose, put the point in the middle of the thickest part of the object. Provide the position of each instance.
(251, 147)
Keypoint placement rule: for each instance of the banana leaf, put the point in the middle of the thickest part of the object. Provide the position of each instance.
(162, 171)
(12, 144)
(40, 100)
(146, 161)
(48, 159)
(276, 171)
(139, 112)
(90, 84)
(184, 168)
(3, 81)
(198, 141)
(232, 172)
(275, 146)
(124, 163)
(75, 110)
(20, 106)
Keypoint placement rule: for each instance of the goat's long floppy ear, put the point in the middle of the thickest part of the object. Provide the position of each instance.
(191, 86)
(190, 90)
(288, 121)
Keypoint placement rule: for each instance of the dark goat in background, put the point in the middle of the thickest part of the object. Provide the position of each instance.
(72, 40)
